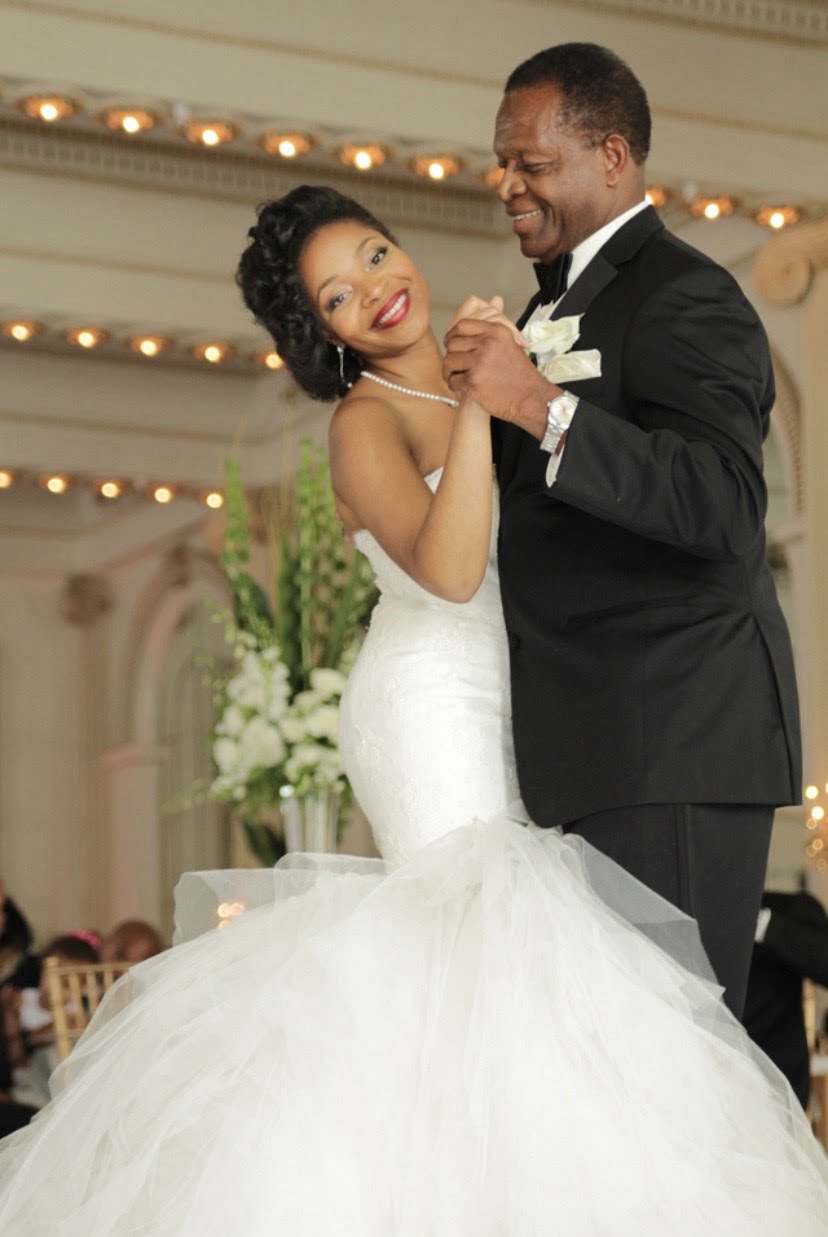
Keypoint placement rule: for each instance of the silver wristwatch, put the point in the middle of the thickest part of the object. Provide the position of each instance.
(559, 413)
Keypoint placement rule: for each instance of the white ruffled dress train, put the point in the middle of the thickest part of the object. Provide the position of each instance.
(495, 1033)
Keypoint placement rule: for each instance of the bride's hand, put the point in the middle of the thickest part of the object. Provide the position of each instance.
(487, 311)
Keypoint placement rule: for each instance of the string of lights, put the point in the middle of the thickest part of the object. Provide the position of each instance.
(817, 823)
(150, 345)
(183, 123)
(110, 489)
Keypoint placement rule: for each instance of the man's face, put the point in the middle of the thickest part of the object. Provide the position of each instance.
(554, 183)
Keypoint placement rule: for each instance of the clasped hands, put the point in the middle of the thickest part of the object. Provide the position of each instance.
(486, 360)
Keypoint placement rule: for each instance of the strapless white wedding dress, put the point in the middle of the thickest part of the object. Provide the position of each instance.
(467, 1039)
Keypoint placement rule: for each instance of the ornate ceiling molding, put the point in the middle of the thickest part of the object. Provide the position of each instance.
(785, 266)
(795, 21)
(244, 176)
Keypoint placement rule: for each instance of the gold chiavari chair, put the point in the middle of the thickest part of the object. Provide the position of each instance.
(818, 1105)
(75, 992)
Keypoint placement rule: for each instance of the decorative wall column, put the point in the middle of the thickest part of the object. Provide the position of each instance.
(133, 775)
(792, 269)
(85, 603)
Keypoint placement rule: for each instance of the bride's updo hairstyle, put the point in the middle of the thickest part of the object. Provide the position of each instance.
(268, 276)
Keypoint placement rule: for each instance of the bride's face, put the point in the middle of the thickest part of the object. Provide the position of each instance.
(367, 292)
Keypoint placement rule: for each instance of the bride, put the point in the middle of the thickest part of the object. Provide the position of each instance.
(491, 1032)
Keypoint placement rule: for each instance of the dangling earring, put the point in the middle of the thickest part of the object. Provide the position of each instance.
(341, 352)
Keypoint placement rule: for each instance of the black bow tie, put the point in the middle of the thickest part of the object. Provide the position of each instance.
(552, 277)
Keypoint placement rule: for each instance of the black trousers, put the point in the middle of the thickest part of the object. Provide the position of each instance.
(707, 859)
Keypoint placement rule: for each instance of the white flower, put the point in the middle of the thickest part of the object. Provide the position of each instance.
(348, 658)
(572, 367)
(294, 729)
(323, 723)
(247, 690)
(225, 753)
(260, 745)
(328, 682)
(304, 757)
(305, 702)
(277, 708)
(332, 762)
(224, 784)
(232, 721)
(253, 664)
(553, 336)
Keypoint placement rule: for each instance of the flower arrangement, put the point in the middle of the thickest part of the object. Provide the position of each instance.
(278, 708)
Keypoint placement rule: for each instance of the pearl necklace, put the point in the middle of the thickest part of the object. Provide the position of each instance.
(394, 386)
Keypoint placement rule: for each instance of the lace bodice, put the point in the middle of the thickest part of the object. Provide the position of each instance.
(425, 720)
(393, 582)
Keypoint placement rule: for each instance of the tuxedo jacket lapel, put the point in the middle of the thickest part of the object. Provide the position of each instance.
(595, 277)
(529, 310)
(603, 268)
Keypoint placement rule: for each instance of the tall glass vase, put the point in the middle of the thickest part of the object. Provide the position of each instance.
(310, 820)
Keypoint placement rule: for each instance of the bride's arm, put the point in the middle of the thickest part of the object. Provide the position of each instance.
(441, 540)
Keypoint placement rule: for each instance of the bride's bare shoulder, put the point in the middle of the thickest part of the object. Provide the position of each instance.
(365, 421)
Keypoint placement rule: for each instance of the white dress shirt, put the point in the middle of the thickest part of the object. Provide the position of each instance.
(582, 255)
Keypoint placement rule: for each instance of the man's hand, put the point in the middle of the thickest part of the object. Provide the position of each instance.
(486, 362)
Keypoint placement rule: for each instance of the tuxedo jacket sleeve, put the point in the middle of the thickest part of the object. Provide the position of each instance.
(685, 469)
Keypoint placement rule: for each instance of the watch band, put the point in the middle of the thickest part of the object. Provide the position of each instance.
(559, 413)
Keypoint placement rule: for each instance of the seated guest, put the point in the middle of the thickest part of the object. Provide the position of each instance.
(131, 941)
(791, 946)
(28, 1020)
(18, 966)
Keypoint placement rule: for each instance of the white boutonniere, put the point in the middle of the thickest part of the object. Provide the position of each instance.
(550, 346)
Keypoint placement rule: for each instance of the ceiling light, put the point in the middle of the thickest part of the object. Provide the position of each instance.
(6, 478)
(363, 157)
(492, 176)
(436, 167)
(214, 499)
(56, 483)
(163, 494)
(85, 337)
(213, 352)
(287, 145)
(148, 345)
(20, 331)
(272, 360)
(712, 208)
(656, 195)
(48, 107)
(130, 120)
(210, 133)
(777, 217)
(110, 489)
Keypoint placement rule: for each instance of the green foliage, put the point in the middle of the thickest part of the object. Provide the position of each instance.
(266, 844)
(251, 608)
(322, 598)
(324, 589)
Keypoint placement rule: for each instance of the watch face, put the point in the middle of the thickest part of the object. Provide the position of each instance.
(561, 409)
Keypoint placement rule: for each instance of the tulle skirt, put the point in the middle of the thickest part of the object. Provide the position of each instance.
(474, 1044)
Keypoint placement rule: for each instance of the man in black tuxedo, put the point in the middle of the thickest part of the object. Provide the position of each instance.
(791, 945)
(654, 700)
